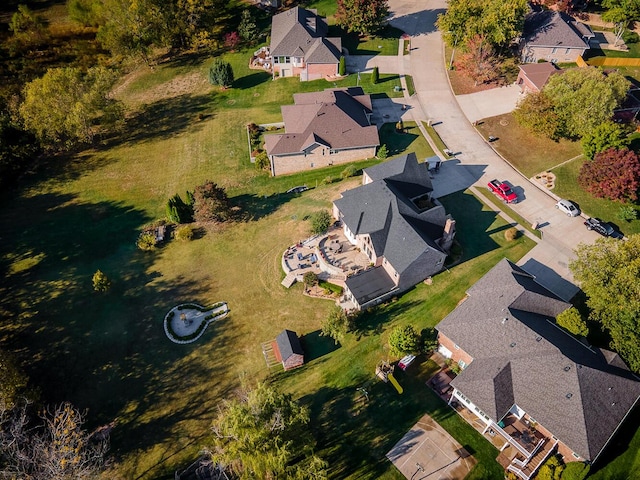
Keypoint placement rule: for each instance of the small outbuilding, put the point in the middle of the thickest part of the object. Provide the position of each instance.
(289, 350)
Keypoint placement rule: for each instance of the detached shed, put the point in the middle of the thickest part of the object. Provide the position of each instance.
(288, 350)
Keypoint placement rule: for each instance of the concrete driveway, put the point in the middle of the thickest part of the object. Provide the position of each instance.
(365, 63)
(489, 103)
(475, 156)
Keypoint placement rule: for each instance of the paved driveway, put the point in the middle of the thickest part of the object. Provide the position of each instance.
(362, 63)
(489, 103)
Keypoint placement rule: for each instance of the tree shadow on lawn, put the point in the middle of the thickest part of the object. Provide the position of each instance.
(397, 142)
(251, 80)
(372, 321)
(101, 351)
(254, 207)
(473, 224)
(163, 118)
(354, 434)
(316, 345)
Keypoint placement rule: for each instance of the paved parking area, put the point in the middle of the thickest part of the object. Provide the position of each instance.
(427, 451)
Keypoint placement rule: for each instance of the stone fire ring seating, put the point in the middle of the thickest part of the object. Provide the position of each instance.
(185, 323)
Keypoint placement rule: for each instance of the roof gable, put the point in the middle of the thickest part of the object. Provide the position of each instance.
(289, 344)
(547, 28)
(521, 357)
(383, 209)
(335, 118)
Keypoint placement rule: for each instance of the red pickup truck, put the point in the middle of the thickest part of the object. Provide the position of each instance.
(503, 190)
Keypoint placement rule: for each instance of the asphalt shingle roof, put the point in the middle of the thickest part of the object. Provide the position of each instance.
(521, 357)
(335, 118)
(288, 344)
(547, 28)
(299, 32)
(539, 73)
(384, 209)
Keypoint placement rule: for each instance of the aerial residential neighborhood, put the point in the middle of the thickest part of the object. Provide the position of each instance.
(393, 239)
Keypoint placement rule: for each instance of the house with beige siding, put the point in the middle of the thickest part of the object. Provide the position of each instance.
(554, 37)
(322, 129)
(300, 46)
(392, 218)
(529, 381)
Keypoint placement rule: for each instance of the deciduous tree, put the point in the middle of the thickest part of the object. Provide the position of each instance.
(605, 136)
(584, 98)
(211, 203)
(479, 61)
(535, 112)
(621, 13)
(365, 17)
(265, 434)
(56, 449)
(320, 221)
(63, 107)
(404, 340)
(497, 21)
(608, 273)
(573, 322)
(247, 28)
(336, 325)
(101, 282)
(612, 174)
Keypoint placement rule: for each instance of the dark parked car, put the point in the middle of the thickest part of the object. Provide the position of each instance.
(603, 228)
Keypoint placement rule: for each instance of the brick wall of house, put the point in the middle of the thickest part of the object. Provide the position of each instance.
(316, 71)
(457, 353)
(561, 55)
(525, 84)
(315, 159)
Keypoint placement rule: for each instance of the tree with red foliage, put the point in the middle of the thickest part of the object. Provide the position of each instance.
(479, 61)
(362, 16)
(612, 174)
(232, 40)
(211, 203)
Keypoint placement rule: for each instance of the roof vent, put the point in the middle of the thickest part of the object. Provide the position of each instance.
(504, 320)
(569, 395)
(613, 404)
(610, 388)
(513, 344)
(538, 339)
(567, 368)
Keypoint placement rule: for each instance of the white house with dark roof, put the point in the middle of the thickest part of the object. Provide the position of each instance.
(553, 36)
(395, 222)
(321, 129)
(528, 380)
(300, 47)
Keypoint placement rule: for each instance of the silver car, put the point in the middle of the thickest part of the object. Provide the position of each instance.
(568, 207)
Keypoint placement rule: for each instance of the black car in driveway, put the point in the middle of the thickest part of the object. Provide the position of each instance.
(603, 228)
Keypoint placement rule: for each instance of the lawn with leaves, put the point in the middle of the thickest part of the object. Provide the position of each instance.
(528, 153)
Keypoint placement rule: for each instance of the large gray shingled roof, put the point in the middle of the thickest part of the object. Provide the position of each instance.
(547, 28)
(520, 356)
(299, 32)
(334, 118)
(384, 209)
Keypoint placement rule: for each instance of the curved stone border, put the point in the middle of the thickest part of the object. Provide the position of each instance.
(218, 311)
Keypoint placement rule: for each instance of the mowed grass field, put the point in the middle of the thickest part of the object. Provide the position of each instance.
(107, 353)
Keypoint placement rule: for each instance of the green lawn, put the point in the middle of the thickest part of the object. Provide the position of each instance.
(528, 153)
(409, 141)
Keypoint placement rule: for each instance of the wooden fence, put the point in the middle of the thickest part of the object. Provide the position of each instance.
(610, 62)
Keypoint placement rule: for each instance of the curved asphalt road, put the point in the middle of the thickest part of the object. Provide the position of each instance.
(476, 162)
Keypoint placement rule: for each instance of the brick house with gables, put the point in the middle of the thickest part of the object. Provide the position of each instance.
(300, 47)
(528, 380)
